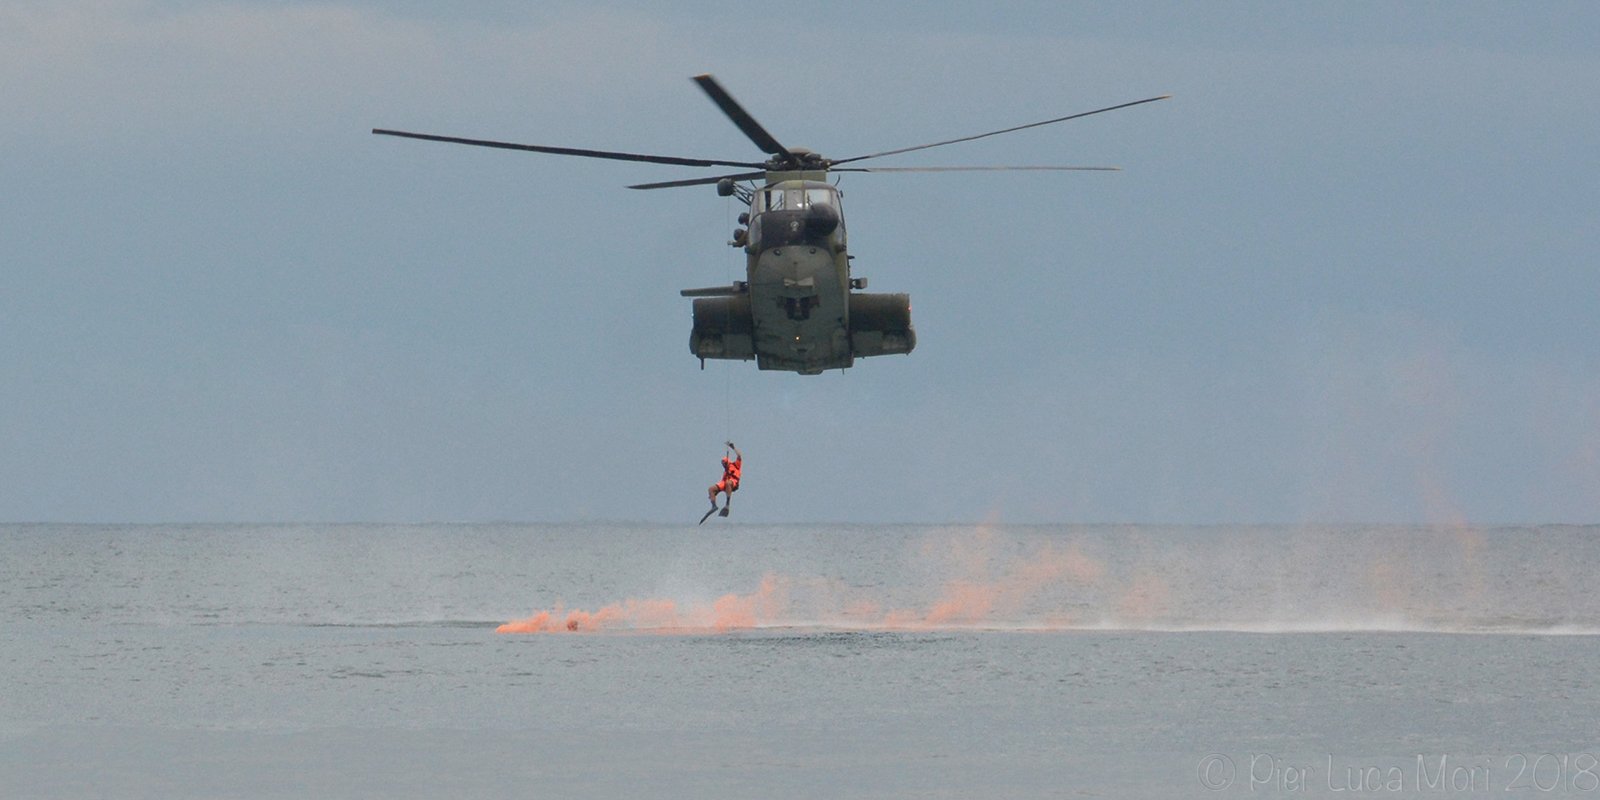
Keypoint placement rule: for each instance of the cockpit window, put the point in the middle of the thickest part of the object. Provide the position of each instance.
(806, 210)
(794, 199)
(782, 199)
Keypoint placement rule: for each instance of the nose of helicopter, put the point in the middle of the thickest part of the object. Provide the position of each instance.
(797, 306)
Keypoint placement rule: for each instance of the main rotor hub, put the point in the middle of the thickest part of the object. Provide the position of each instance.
(802, 159)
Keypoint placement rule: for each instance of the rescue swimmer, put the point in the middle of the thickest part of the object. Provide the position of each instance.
(731, 470)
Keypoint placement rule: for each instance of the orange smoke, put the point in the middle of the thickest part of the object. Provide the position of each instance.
(729, 612)
(984, 589)
(989, 595)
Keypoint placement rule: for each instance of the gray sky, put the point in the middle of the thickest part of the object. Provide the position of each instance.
(1348, 273)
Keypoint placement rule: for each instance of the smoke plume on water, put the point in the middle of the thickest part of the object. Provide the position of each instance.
(1448, 578)
(729, 612)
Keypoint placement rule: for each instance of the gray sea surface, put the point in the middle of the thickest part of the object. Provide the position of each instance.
(731, 660)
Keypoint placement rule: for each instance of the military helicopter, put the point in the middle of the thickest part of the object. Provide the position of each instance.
(798, 309)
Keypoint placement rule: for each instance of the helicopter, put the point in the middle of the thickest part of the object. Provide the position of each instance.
(799, 308)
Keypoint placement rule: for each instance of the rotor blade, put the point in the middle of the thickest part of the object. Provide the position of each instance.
(1003, 130)
(743, 176)
(571, 151)
(973, 169)
(741, 117)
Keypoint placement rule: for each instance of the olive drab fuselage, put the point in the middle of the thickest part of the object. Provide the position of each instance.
(795, 310)
(798, 274)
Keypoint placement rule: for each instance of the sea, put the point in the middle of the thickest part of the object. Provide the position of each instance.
(734, 660)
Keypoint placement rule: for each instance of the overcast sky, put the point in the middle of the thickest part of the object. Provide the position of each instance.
(1348, 273)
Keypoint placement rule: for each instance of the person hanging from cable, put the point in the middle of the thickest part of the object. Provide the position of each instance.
(729, 484)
